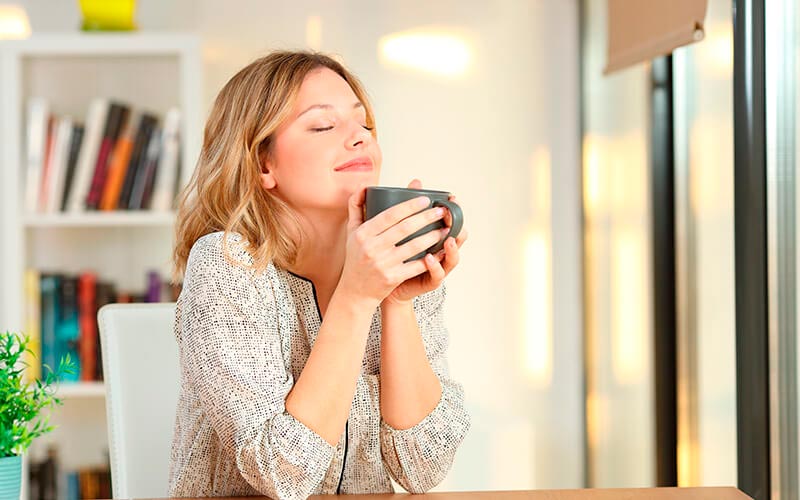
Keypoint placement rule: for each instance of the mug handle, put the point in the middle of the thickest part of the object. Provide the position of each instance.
(457, 221)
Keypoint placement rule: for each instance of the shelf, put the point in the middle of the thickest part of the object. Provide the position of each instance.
(100, 219)
(112, 44)
(81, 390)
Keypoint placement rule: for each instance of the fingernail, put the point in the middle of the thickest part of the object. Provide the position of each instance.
(439, 212)
(423, 201)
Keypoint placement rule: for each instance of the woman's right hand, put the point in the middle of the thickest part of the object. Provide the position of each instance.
(374, 266)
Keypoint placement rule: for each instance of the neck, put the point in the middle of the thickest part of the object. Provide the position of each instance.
(321, 256)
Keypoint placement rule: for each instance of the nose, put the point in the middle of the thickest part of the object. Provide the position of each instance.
(359, 136)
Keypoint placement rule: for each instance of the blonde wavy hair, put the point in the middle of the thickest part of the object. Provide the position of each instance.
(225, 191)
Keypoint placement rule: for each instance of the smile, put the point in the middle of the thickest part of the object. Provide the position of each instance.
(363, 164)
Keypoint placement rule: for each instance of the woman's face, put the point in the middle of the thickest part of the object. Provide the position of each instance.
(323, 152)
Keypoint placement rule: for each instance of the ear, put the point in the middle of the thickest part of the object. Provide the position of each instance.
(267, 177)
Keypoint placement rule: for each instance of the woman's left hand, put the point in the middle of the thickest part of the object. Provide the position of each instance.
(439, 265)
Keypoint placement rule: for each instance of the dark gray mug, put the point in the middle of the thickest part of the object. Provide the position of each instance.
(379, 198)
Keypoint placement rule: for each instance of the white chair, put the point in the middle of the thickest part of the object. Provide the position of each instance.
(140, 368)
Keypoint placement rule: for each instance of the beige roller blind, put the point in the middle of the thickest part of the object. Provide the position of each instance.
(639, 30)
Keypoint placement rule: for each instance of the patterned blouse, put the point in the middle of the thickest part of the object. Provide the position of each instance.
(244, 338)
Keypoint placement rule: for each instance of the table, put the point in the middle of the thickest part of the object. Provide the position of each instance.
(587, 494)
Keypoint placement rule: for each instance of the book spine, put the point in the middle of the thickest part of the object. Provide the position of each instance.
(118, 166)
(87, 156)
(167, 172)
(146, 172)
(44, 187)
(117, 116)
(87, 312)
(33, 320)
(49, 288)
(146, 126)
(68, 326)
(38, 110)
(72, 161)
(154, 286)
(63, 138)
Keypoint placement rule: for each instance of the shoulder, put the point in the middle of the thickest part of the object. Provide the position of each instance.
(220, 265)
(219, 251)
(221, 258)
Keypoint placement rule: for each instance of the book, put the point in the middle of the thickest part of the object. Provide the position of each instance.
(58, 164)
(49, 284)
(44, 186)
(145, 174)
(168, 170)
(117, 117)
(67, 326)
(33, 301)
(72, 160)
(87, 157)
(87, 313)
(118, 165)
(146, 125)
(38, 111)
(154, 285)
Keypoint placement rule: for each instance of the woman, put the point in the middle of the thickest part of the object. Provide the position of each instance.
(312, 357)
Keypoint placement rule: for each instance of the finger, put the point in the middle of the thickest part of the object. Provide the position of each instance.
(451, 256)
(418, 244)
(412, 269)
(411, 225)
(435, 269)
(415, 184)
(462, 237)
(396, 213)
(355, 212)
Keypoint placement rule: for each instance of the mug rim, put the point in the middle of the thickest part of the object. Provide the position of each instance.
(415, 190)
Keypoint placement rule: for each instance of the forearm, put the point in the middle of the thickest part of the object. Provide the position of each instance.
(322, 395)
(409, 389)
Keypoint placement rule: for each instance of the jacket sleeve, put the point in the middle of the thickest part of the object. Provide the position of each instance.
(231, 355)
(420, 457)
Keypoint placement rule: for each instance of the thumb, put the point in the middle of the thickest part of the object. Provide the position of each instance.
(355, 209)
(415, 184)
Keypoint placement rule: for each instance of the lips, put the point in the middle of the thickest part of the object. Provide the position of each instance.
(362, 164)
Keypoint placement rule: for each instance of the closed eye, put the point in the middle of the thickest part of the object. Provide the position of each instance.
(321, 129)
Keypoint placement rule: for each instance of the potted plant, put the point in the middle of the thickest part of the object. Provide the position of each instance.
(21, 405)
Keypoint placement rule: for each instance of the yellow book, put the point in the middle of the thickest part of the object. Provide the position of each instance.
(33, 324)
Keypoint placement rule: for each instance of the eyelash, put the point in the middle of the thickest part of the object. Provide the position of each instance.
(323, 129)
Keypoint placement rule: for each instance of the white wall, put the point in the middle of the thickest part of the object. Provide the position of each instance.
(507, 128)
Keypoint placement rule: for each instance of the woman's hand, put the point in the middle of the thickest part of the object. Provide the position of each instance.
(438, 266)
(374, 265)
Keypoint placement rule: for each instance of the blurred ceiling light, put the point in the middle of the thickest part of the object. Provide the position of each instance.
(13, 22)
(314, 32)
(428, 51)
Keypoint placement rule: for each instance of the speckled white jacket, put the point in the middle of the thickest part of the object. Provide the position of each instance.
(244, 338)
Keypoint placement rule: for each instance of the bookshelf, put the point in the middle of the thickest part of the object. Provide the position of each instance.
(149, 71)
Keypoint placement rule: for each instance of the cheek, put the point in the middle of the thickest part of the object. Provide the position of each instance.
(378, 155)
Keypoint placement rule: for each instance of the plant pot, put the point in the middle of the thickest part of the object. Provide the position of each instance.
(10, 476)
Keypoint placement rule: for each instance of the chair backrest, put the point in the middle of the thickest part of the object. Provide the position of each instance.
(141, 372)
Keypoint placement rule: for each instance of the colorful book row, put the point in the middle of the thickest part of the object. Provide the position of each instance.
(61, 318)
(48, 481)
(120, 159)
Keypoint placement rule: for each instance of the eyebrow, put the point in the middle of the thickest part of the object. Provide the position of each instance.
(357, 105)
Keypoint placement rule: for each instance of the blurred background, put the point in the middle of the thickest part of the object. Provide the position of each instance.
(593, 318)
